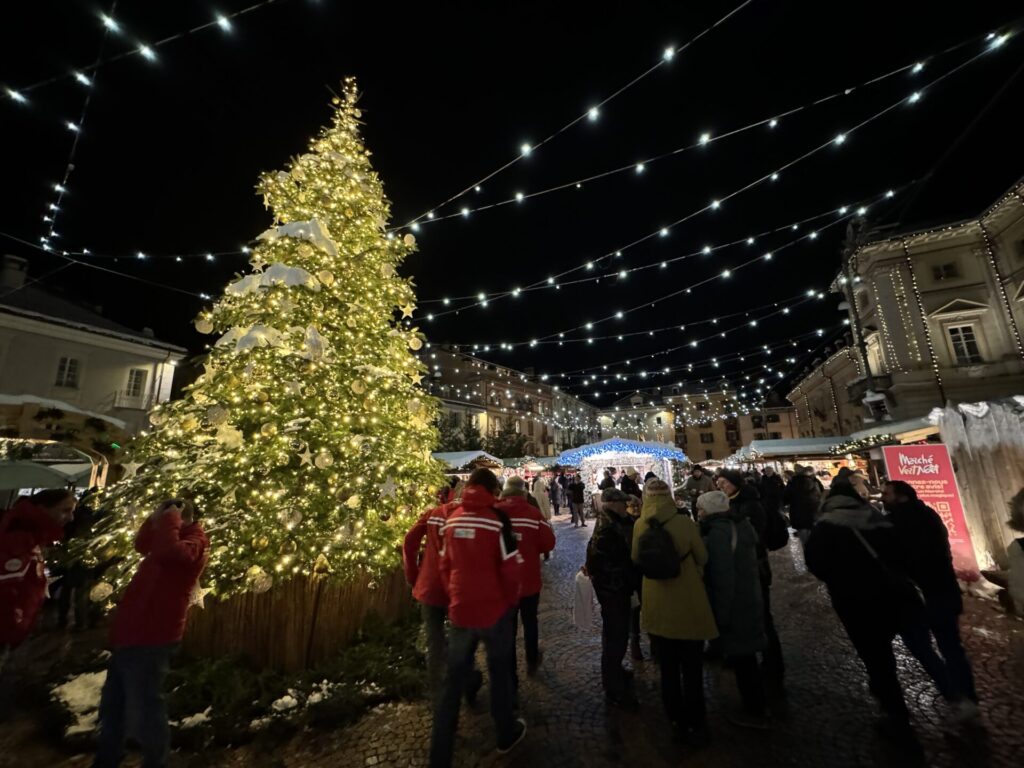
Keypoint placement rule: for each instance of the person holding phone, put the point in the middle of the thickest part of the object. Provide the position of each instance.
(147, 627)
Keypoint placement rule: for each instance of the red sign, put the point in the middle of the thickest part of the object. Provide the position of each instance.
(928, 469)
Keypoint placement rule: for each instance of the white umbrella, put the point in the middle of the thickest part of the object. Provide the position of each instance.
(28, 474)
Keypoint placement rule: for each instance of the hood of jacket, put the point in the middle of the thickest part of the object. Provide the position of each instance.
(478, 497)
(849, 512)
(661, 508)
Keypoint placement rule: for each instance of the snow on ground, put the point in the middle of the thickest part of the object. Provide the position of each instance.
(81, 697)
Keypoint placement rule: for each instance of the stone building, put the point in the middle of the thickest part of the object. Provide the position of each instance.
(941, 311)
(487, 395)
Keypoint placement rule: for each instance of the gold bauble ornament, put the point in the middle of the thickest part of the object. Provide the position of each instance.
(189, 423)
(351, 322)
(324, 459)
(305, 250)
(258, 580)
(309, 391)
(410, 241)
(101, 592)
(216, 415)
(204, 326)
(269, 429)
(156, 418)
(358, 386)
(325, 276)
(353, 501)
(289, 547)
(415, 343)
(259, 543)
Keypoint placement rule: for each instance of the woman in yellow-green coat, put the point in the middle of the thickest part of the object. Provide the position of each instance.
(677, 614)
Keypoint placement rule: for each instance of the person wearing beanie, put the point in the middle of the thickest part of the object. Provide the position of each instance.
(535, 538)
(628, 484)
(677, 614)
(697, 483)
(745, 502)
(734, 589)
(615, 579)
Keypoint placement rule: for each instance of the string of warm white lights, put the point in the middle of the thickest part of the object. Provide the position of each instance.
(75, 262)
(147, 51)
(590, 114)
(715, 204)
(704, 140)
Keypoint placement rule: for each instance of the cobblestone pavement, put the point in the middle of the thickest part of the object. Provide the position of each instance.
(826, 718)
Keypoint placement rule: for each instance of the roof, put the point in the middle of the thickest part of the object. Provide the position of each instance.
(575, 456)
(461, 459)
(895, 428)
(795, 447)
(30, 301)
(45, 402)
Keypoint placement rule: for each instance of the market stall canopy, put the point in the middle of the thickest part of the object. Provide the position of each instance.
(457, 460)
(576, 456)
(795, 448)
(28, 474)
(904, 431)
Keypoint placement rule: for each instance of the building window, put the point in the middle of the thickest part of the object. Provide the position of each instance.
(529, 428)
(707, 437)
(773, 418)
(945, 271)
(657, 420)
(757, 420)
(67, 373)
(775, 435)
(732, 435)
(136, 382)
(759, 435)
(964, 344)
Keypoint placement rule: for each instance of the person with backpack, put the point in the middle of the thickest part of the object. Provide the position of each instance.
(481, 569)
(615, 579)
(577, 491)
(733, 584)
(803, 496)
(772, 534)
(854, 550)
(771, 489)
(669, 552)
(534, 537)
(146, 630)
(31, 525)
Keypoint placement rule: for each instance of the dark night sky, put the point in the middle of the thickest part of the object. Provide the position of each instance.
(170, 150)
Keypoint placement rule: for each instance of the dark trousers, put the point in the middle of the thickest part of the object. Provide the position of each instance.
(684, 704)
(951, 670)
(527, 611)
(615, 622)
(872, 639)
(773, 666)
(748, 681)
(499, 643)
(437, 646)
(132, 705)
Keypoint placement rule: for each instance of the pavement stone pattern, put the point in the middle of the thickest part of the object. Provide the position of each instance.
(826, 718)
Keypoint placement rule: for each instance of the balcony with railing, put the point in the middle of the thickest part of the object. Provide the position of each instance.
(856, 389)
(126, 399)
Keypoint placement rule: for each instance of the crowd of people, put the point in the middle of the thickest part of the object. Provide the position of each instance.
(689, 569)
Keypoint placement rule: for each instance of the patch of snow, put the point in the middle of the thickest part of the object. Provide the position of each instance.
(195, 720)
(81, 697)
(313, 231)
(285, 703)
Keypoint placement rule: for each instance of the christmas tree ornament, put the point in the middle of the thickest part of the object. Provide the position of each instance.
(258, 580)
(305, 457)
(409, 241)
(322, 565)
(353, 501)
(415, 343)
(324, 459)
(269, 429)
(216, 415)
(203, 325)
(326, 277)
(383, 516)
(259, 543)
(290, 518)
(101, 592)
(157, 417)
(358, 386)
(289, 547)
(189, 423)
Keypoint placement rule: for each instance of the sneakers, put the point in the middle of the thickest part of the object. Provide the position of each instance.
(517, 736)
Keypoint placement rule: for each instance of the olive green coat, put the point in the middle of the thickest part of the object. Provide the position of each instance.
(676, 608)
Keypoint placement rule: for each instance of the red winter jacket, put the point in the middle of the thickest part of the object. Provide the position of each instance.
(24, 530)
(479, 572)
(424, 574)
(153, 609)
(534, 536)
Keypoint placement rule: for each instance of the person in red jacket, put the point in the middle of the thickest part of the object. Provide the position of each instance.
(33, 523)
(534, 537)
(147, 627)
(480, 569)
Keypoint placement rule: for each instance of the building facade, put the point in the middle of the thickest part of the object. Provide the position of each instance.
(55, 349)
(941, 312)
(488, 396)
(706, 425)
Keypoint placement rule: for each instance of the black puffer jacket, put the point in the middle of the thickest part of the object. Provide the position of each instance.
(803, 495)
(747, 503)
(609, 556)
(927, 560)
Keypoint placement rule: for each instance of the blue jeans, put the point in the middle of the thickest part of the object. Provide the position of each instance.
(499, 643)
(951, 670)
(132, 705)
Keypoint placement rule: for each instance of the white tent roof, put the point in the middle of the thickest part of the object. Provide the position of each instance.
(460, 459)
(800, 446)
(575, 456)
(895, 427)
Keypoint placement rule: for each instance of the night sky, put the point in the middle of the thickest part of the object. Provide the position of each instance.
(170, 150)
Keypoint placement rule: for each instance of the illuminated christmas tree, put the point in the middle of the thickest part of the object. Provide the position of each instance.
(306, 441)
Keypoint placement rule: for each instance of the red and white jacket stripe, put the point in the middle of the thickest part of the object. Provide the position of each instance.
(535, 537)
(481, 576)
(423, 571)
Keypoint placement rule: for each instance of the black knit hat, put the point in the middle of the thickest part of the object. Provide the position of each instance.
(734, 476)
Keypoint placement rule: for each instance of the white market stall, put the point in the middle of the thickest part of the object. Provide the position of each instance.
(622, 454)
